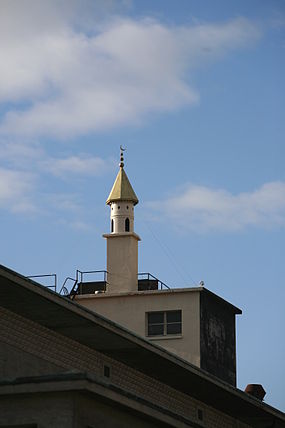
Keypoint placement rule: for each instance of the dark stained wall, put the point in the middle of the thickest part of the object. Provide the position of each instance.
(94, 414)
(17, 363)
(68, 409)
(217, 338)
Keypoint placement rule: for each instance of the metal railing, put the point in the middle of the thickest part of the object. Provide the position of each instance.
(64, 290)
(53, 275)
(79, 280)
(81, 275)
(149, 277)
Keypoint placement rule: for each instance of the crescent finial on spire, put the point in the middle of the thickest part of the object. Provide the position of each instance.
(122, 156)
(122, 189)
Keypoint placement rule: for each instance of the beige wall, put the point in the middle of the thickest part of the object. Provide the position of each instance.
(130, 311)
(119, 212)
(122, 262)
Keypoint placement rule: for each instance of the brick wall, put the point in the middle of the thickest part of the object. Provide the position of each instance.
(61, 351)
(18, 363)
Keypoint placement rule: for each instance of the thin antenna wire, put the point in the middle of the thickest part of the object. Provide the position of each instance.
(171, 257)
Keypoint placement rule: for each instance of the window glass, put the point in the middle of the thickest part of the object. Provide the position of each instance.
(155, 317)
(174, 328)
(173, 316)
(163, 323)
(155, 324)
(155, 329)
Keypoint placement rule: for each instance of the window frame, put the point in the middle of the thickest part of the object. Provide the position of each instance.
(165, 324)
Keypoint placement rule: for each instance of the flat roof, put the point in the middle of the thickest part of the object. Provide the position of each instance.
(39, 304)
(143, 293)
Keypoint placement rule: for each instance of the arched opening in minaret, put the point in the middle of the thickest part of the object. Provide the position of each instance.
(127, 225)
(112, 226)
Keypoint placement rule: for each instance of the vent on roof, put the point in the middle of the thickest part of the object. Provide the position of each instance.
(256, 390)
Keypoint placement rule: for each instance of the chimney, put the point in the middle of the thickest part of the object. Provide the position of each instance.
(256, 390)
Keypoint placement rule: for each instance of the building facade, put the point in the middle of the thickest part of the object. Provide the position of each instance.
(62, 365)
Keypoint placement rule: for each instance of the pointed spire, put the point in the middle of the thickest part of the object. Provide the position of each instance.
(122, 189)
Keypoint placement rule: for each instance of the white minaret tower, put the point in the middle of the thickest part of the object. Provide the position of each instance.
(122, 242)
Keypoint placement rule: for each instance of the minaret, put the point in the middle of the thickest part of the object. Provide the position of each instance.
(122, 242)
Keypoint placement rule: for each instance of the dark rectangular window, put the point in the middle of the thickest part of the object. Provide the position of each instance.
(200, 414)
(164, 323)
(173, 322)
(155, 323)
(107, 371)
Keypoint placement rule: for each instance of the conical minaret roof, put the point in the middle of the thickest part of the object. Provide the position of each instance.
(122, 189)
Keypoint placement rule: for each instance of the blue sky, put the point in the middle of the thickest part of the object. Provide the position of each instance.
(195, 91)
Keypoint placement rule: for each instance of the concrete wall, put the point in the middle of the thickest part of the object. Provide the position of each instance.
(130, 311)
(122, 262)
(119, 211)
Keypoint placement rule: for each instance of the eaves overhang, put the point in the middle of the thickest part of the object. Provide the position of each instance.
(39, 304)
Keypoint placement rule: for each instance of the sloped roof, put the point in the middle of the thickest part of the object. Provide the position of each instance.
(122, 189)
(39, 304)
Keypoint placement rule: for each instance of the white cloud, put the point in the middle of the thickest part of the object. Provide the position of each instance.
(81, 226)
(24, 188)
(202, 208)
(59, 79)
(21, 194)
(57, 201)
(82, 164)
(21, 155)
(15, 190)
(31, 155)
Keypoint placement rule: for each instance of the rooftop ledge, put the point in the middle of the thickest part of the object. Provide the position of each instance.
(138, 293)
(143, 293)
